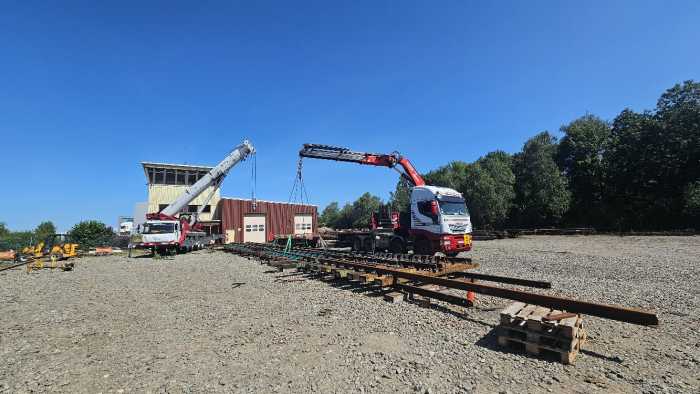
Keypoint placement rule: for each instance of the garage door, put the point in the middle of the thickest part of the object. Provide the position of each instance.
(303, 224)
(254, 228)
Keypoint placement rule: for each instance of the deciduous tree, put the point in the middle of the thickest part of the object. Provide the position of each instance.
(542, 195)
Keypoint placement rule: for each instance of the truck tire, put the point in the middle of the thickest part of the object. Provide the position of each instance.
(397, 246)
(357, 244)
(368, 245)
(422, 246)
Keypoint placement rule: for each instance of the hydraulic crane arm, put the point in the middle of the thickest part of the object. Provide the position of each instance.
(326, 152)
(212, 178)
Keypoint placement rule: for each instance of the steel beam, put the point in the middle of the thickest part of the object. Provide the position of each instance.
(502, 279)
(449, 298)
(612, 312)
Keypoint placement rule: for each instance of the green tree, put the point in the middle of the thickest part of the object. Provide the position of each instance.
(44, 229)
(652, 157)
(678, 111)
(363, 208)
(542, 195)
(692, 200)
(580, 156)
(452, 175)
(4, 231)
(330, 215)
(345, 219)
(632, 175)
(489, 189)
(400, 198)
(16, 240)
(91, 233)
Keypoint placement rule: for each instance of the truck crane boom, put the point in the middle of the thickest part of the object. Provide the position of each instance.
(336, 153)
(164, 232)
(437, 219)
(212, 178)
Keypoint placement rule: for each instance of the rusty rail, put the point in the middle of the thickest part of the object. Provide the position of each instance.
(613, 312)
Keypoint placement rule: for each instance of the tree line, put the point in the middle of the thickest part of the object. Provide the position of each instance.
(86, 234)
(640, 171)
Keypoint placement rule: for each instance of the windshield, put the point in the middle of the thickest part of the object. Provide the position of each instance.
(159, 228)
(453, 207)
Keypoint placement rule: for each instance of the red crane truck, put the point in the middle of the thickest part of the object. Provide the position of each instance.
(437, 221)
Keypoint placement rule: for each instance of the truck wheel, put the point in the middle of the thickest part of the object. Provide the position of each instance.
(397, 246)
(357, 244)
(369, 245)
(422, 246)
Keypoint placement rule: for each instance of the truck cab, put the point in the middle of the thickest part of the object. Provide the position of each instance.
(440, 220)
(160, 232)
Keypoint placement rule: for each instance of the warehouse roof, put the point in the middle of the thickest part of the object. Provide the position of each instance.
(267, 201)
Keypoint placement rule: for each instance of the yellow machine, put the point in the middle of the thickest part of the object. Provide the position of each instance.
(60, 247)
(56, 247)
(36, 251)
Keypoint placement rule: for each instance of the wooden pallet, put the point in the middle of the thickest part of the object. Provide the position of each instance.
(542, 331)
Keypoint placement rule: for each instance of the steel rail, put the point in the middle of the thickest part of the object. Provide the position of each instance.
(490, 278)
(613, 312)
(502, 279)
(16, 265)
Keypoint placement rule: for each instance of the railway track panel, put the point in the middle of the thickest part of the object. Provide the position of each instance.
(427, 272)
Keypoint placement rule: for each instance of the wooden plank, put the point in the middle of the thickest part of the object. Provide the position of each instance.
(394, 297)
(566, 356)
(367, 278)
(511, 310)
(383, 281)
(521, 317)
(569, 327)
(354, 276)
(534, 320)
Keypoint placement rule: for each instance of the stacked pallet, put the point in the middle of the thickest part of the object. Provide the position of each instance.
(541, 331)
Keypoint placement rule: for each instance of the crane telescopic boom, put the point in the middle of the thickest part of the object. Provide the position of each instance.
(212, 178)
(336, 153)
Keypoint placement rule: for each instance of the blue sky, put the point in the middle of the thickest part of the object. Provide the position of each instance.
(87, 91)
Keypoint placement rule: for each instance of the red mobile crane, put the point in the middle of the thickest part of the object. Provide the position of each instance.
(172, 230)
(439, 220)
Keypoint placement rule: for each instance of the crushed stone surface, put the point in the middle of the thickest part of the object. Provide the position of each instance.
(210, 321)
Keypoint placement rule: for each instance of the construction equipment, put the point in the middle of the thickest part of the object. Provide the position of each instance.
(61, 246)
(57, 246)
(438, 220)
(172, 229)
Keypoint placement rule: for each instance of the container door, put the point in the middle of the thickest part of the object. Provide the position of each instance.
(230, 236)
(303, 224)
(254, 228)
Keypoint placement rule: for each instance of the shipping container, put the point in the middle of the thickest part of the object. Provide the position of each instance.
(241, 221)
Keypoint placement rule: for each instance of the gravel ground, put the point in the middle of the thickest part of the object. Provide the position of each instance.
(215, 322)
